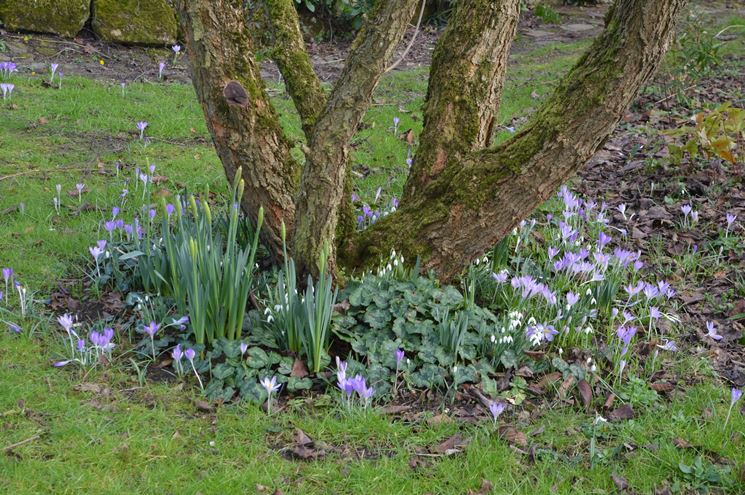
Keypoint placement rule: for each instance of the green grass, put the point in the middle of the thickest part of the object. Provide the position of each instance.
(153, 439)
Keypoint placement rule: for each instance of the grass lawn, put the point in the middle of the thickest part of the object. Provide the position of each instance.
(107, 432)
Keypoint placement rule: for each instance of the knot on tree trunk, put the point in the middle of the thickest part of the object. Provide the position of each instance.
(235, 94)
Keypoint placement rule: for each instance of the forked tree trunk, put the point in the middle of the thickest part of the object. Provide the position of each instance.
(462, 196)
(322, 185)
(477, 200)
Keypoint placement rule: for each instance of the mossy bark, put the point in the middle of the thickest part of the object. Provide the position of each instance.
(465, 86)
(288, 51)
(325, 171)
(244, 125)
(478, 199)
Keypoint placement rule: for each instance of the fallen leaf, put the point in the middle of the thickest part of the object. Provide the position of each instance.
(662, 387)
(299, 370)
(609, 401)
(681, 443)
(585, 392)
(548, 379)
(619, 481)
(204, 406)
(451, 446)
(439, 419)
(623, 412)
(513, 436)
(565, 386)
(304, 447)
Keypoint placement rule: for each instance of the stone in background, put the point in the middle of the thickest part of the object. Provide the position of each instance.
(63, 17)
(140, 22)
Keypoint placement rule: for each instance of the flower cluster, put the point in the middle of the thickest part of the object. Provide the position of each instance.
(349, 386)
(79, 351)
(371, 214)
(6, 69)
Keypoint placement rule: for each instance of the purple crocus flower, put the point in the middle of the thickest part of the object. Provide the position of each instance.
(244, 348)
(95, 252)
(152, 213)
(189, 353)
(632, 290)
(626, 334)
(7, 274)
(177, 353)
(80, 186)
(14, 328)
(176, 49)
(572, 299)
(109, 226)
(366, 392)
(59, 364)
(496, 409)
(654, 312)
(161, 68)
(270, 385)
(399, 357)
(152, 328)
(101, 244)
(711, 331)
(735, 396)
(170, 209)
(141, 125)
(114, 211)
(66, 322)
(686, 209)
(669, 345)
(552, 251)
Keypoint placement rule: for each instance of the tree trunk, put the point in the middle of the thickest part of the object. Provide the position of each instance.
(289, 53)
(325, 171)
(465, 86)
(244, 125)
(477, 200)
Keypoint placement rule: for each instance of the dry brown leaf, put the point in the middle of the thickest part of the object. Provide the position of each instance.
(621, 413)
(513, 436)
(299, 370)
(585, 392)
(451, 446)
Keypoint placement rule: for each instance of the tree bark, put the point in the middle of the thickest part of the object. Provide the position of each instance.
(289, 53)
(475, 201)
(244, 125)
(322, 184)
(465, 86)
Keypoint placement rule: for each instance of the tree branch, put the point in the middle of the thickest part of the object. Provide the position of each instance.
(243, 123)
(477, 200)
(322, 184)
(465, 86)
(291, 56)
